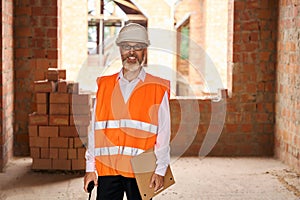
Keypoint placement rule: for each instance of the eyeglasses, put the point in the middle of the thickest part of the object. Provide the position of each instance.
(137, 47)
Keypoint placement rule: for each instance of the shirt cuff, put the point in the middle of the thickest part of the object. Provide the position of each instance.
(90, 167)
(161, 169)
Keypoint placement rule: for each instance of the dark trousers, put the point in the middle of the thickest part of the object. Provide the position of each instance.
(113, 188)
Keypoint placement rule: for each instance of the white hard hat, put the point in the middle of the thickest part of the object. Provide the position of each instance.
(133, 32)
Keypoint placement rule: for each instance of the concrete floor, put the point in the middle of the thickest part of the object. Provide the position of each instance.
(208, 179)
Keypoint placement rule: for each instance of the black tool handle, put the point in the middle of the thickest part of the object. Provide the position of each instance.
(90, 186)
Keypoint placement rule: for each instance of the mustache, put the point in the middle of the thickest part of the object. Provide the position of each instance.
(129, 55)
(124, 61)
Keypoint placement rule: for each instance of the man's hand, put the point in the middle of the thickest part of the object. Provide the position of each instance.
(157, 182)
(90, 176)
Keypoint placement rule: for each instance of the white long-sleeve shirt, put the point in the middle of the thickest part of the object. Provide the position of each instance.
(161, 148)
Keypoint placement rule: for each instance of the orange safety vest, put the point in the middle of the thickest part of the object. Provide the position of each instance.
(124, 130)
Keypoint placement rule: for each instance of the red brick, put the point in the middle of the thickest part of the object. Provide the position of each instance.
(262, 117)
(22, 74)
(39, 75)
(53, 153)
(36, 119)
(59, 109)
(53, 43)
(248, 107)
(254, 36)
(61, 164)
(21, 53)
(72, 154)
(52, 75)
(80, 109)
(232, 128)
(268, 128)
(59, 142)
(62, 87)
(82, 131)
(261, 86)
(44, 86)
(63, 154)
(62, 73)
(59, 98)
(251, 47)
(32, 130)
(59, 120)
(269, 87)
(71, 142)
(42, 108)
(42, 97)
(234, 118)
(73, 88)
(24, 32)
(43, 63)
(48, 131)
(35, 152)
(239, 5)
(79, 120)
(45, 153)
(81, 152)
(265, 56)
(231, 107)
(68, 131)
(251, 88)
(38, 142)
(23, 10)
(41, 164)
(52, 54)
(80, 99)
(39, 53)
(78, 164)
(52, 32)
(80, 142)
(250, 26)
(247, 128)
(37, 11)
(253, 4)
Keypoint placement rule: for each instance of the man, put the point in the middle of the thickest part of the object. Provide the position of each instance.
(131, 115)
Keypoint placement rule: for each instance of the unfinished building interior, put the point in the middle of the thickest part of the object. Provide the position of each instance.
(239, 57)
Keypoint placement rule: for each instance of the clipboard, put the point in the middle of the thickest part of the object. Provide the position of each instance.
(143, 166)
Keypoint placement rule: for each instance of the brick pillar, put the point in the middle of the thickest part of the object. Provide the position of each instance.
(229, 46)
(6, 83)
(36, 37)
(287, 128)
(253, 75)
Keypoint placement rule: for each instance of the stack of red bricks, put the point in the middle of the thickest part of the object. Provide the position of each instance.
(59, 127)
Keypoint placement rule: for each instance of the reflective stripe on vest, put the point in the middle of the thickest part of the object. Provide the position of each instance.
(128, 151)
(126, 123)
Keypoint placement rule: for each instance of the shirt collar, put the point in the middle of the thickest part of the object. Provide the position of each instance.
(141, 75)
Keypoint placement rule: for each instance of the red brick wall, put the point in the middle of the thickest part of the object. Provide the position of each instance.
(6, 83)
(287, 128)
(36, 48)
(253, 75)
